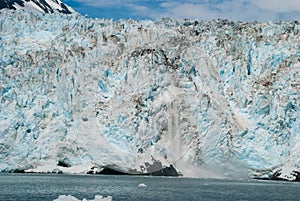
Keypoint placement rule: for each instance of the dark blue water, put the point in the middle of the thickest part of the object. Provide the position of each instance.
(49, 187)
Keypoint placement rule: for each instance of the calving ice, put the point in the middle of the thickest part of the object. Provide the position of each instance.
(208, 98)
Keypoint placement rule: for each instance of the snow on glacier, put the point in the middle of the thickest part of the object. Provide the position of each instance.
(43, 6)
(209, 97)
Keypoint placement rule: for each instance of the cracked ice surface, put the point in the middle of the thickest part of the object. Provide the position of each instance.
(211, 98)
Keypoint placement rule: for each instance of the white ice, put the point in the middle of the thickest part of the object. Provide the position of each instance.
(212, 98)
(72, 198)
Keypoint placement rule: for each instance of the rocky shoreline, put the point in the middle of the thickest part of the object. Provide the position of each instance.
(166, 171)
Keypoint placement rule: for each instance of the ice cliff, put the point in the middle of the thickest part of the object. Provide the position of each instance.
(212, 98)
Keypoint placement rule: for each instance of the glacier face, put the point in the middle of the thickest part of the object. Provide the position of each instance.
(213, 98)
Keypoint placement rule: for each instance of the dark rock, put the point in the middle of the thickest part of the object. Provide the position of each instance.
(276, 177)
(167, 171)
(91, 172)
(43, 5)
(17, 171)
(64, 163)
(114, 170)
(140, 150)
(56, 171)
(108, 170)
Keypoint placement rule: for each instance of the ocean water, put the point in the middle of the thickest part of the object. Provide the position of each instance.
(41, 187)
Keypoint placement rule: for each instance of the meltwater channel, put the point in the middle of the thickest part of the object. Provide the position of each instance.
(43, 187)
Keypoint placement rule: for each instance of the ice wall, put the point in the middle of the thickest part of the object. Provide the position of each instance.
(211, 98)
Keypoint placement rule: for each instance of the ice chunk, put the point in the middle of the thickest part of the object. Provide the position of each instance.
(142, 185)
(66, 198)
(72, 198)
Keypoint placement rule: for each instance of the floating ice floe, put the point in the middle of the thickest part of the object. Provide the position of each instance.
(142, 185)
(72, 198)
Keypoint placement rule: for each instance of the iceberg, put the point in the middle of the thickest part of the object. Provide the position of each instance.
(211, 98)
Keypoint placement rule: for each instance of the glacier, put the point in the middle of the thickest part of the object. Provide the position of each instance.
(212, 98)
